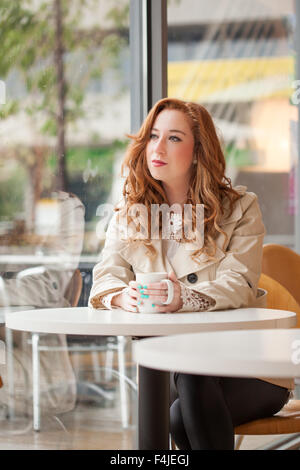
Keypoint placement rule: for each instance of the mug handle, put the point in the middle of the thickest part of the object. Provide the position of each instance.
(170, 291)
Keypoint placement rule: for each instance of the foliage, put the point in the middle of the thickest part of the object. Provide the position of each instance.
(237, 157)
(12, 194)
(27, 37)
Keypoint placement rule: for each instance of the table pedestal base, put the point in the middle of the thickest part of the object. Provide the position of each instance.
(154, 397)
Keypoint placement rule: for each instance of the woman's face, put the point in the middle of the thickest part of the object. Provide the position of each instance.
(170, 150)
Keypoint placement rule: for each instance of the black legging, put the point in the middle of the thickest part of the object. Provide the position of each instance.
(205, 409)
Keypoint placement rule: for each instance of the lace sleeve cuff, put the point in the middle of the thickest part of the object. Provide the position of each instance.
(194, 301)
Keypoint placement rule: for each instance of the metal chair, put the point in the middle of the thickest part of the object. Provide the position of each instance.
(73, 291)
(9, 355)
(287, 421)
(3, 294)
(93, 345)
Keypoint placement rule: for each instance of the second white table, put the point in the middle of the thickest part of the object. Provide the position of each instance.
(255, 353)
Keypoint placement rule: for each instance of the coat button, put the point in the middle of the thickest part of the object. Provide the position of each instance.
(192, 278)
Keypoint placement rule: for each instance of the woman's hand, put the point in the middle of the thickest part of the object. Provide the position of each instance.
(127, 300)
(158, 292)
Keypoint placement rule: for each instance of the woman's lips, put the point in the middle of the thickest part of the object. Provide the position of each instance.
(158, 163)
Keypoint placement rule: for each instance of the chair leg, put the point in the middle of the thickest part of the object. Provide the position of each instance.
(36, 382)
(10, 373)
(123, 392)
(96, 366)
(109, 356)
(238, 442)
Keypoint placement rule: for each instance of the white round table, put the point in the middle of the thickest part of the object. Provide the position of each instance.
(153, 412)
(5, 311)
(247, 353)
(86, 321)
(252, 353)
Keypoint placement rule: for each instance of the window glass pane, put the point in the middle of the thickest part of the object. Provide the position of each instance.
(65, 111)
(236, 57)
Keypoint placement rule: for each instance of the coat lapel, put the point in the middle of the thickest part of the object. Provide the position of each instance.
(136, 254)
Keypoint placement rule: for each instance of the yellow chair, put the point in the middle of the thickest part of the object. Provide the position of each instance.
(279, 296)
(287, 420)
(283, 265)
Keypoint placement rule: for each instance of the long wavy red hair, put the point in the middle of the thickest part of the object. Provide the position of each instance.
(208, 185)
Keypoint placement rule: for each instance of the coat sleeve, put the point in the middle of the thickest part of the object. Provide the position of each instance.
(113, 273)
(38, 290)
(239, 271)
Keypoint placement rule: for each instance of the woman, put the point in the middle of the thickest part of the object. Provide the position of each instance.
(176, 158)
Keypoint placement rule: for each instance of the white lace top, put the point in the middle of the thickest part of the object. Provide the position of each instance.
(192, 300)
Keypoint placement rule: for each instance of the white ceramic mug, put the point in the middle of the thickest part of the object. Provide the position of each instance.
(144, 279)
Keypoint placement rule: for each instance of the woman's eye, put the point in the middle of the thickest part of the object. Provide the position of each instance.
(153, 136)
(174, 138)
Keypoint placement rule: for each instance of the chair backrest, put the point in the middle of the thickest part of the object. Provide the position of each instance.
(31, 272)
(283, 265)
(278, 296)
(3, 294)
(73, 290)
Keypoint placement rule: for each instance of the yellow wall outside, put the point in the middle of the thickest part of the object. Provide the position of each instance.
(199, 81)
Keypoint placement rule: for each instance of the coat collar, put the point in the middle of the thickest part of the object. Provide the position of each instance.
(237, 210)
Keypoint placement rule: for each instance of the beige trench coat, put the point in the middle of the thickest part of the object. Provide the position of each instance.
(231, 279)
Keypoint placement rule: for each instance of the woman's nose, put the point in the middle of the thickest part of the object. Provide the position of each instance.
(160, 146)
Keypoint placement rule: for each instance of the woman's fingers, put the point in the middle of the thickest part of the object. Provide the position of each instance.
(132, 309)
(132, 293)
(163, 308)
(157, 292)
(154, 292)
(133, 284)
(130, 305)
(129, 300)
